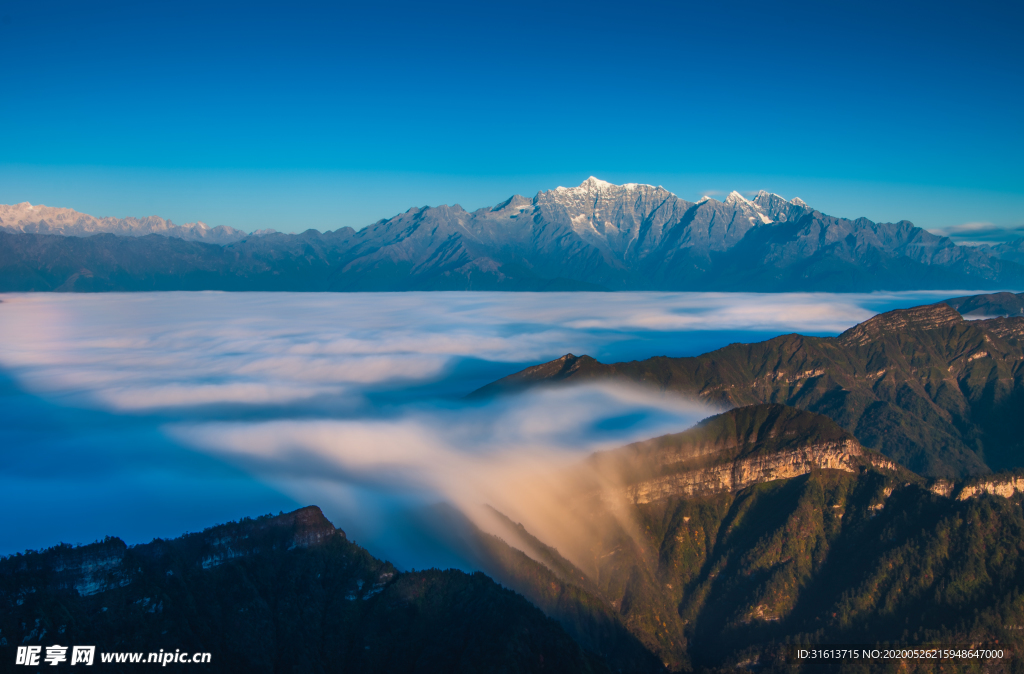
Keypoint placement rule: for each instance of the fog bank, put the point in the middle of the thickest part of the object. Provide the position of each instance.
(150, 414)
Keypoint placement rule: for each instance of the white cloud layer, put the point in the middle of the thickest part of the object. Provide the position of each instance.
(511, 454)
(980, 233)
(353, 401)
(150, 351)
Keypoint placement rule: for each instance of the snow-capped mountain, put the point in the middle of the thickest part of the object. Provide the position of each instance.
(25, 217)
(593, 236)
(597, 234)
(634, 221)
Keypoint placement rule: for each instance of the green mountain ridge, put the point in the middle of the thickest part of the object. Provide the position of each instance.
(927, 388)
(866, 553)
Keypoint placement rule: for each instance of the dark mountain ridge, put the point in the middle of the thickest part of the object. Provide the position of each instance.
(596, 236)
(925, 387)
(276, 594)
(989, 306)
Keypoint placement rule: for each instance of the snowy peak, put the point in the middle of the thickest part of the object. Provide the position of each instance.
(593, 185)
(595, 235)
(40, 219)
(776, 208)
(735, 198)
(594, 194)
(751, 210)
(603, 213)
(621, 220)
(633, 216)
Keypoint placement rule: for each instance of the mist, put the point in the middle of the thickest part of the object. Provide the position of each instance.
(143, 415)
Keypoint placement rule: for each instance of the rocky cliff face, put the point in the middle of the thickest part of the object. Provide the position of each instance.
(1007, 487)
(741, 474)
(735, 450)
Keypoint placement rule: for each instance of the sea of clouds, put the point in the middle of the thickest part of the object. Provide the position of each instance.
(151, 414)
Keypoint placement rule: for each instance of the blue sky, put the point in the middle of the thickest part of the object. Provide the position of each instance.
(322, 115)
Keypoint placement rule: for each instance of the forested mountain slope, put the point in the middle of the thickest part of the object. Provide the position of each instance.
(276, 594)
(939, 394)
(823, 542)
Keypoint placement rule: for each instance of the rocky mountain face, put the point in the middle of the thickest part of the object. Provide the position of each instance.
(26, 218)
(839, 546)
(733, 451)
(596, 236)
(937, 393)
(276, 594)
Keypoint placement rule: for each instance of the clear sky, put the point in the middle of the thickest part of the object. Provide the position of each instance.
(297, 115)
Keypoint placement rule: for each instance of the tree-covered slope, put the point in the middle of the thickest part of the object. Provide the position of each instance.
(855, 554)
(275, 594)
(939, 394)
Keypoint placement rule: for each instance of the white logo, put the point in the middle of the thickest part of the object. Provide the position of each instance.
(28, 655)
(82, 655)
(55, 654)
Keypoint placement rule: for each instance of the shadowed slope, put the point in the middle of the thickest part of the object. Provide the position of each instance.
(990, 305)
(275, 594)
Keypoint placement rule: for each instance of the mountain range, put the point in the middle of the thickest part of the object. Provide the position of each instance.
(718, 549)
(924, 386)
(26, 218)
(596, 236)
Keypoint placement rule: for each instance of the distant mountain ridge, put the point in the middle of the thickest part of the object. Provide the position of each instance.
(38, 219)
(596, 236)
